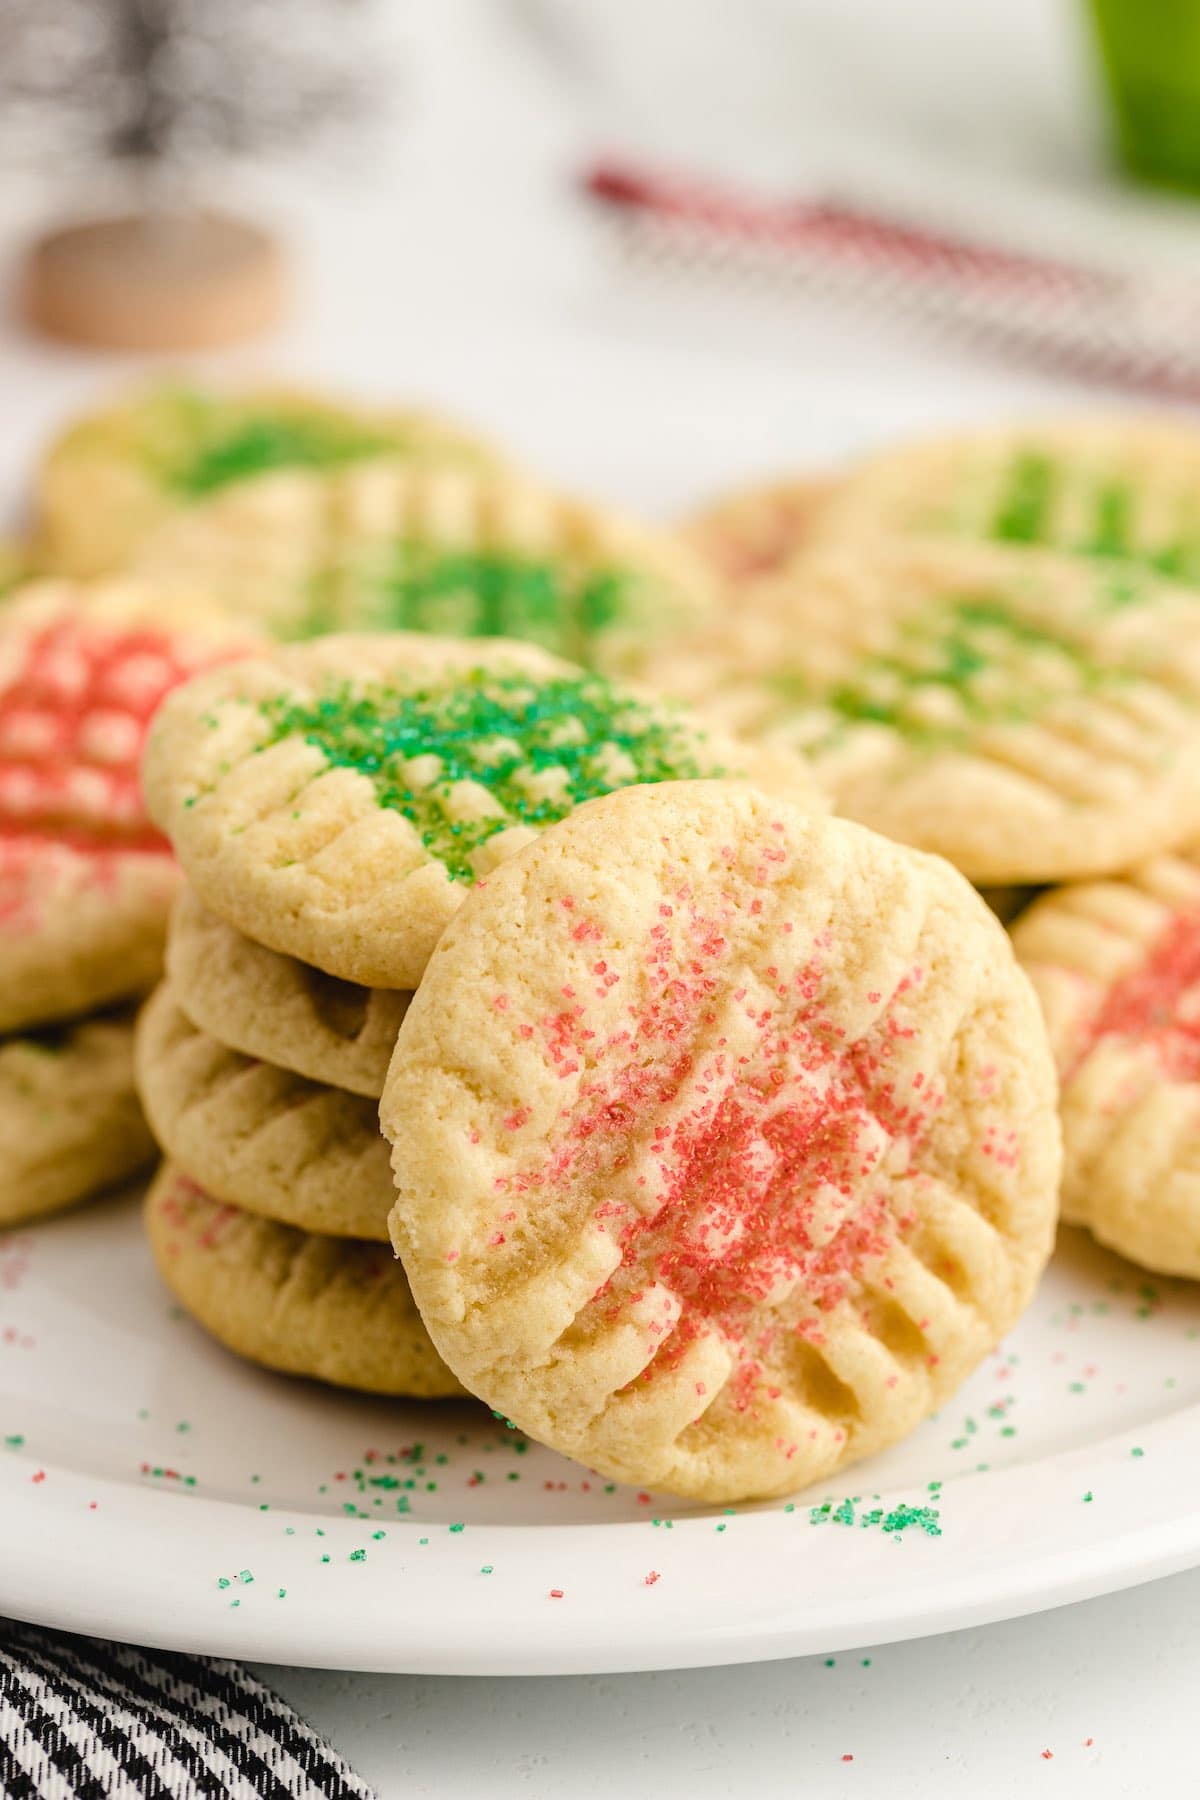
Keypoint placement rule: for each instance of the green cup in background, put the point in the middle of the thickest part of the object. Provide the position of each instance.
(1151, 56)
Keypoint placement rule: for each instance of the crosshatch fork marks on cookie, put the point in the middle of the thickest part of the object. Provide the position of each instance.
(538, 749)
(754, 1186)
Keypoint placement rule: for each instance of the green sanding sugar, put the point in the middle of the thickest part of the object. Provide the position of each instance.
(498, 594)
(1046, 502)
(266, 441)
(532, 750)
(1023, 513)
(901, 1518)
(955, 666)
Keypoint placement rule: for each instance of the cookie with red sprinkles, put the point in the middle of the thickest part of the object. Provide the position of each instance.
(760, 529)
(1116, 966)
(86, 882)
(296, 1301)
(724, 1138)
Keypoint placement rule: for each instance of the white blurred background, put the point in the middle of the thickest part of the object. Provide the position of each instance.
(444, 247)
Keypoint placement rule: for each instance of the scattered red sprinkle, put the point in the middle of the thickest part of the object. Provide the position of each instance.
(652, 1577)
(40, 1476)
(556, 1593)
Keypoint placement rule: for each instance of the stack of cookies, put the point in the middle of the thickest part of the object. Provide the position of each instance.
(723, 1137)
(86, 882)
(332, 804)
(989, 646)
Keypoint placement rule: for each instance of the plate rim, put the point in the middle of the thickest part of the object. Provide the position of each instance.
(65, 1564)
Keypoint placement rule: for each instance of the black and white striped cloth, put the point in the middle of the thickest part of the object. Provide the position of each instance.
(83, 1719)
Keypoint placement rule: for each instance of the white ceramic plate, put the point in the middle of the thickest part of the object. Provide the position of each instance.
(154, 1488)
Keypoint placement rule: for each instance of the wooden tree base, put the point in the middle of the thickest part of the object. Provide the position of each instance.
(190, 281)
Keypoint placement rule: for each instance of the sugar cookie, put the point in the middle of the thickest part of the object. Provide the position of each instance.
(85, 881)
(337, 800)
(1102, 487)
(327, 1307)
(70, 1121)
(725, 1140)
(758, 530)
(1116, 966)
(115, 475)
(259, 1137)
(273, 1007)
(1032, 717)
(450, 549)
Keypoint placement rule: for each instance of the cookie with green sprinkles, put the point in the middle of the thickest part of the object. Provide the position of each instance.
(112, 477)
(1102, 488)
(337, 800)
(435, 546)
(70, 1121)
(277, 1008)
(259, 1137)
(1032, 717)
(326, 1307)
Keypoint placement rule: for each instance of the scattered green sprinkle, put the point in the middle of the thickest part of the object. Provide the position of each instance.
(899, 1519)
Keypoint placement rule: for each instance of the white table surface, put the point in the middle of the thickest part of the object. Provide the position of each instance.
(457, 266)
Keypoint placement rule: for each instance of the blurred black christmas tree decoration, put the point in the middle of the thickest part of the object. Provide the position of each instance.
(161, 94)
